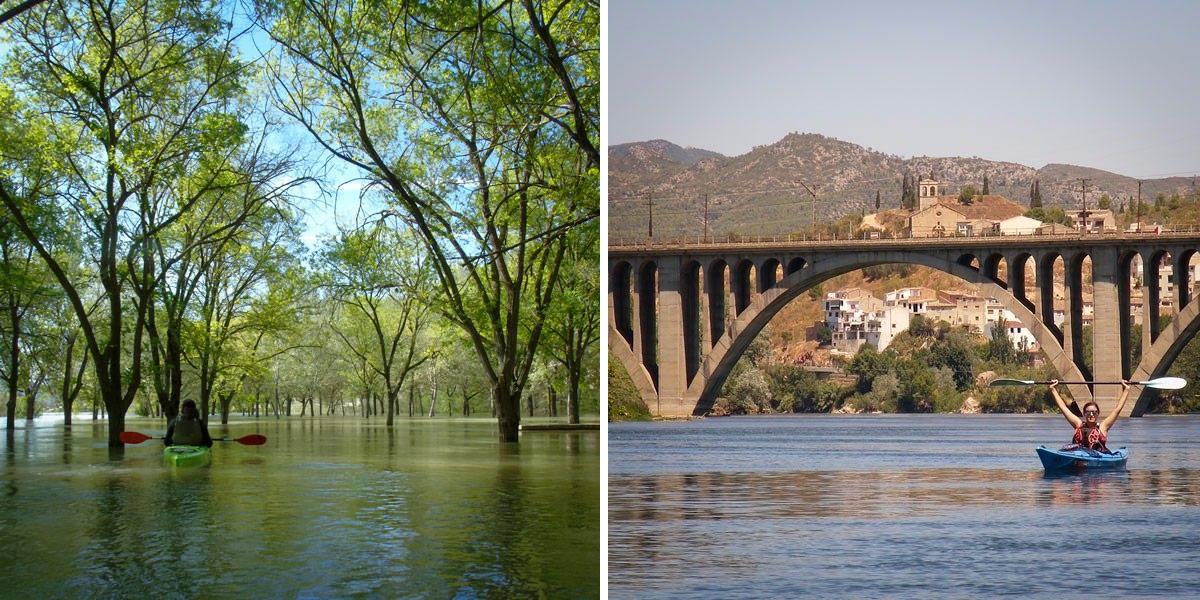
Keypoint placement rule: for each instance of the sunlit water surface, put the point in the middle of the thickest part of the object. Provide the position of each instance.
(328, 508)
(898, 506)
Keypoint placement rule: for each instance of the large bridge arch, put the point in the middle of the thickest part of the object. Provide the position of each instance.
(750, 322)
(1165, 350)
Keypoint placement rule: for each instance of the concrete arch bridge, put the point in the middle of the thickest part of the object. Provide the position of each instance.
(681, 314)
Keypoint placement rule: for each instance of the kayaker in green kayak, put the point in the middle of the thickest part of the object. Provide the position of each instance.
(188, 429)
(1089, 433)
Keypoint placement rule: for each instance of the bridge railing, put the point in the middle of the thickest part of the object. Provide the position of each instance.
(867, 238)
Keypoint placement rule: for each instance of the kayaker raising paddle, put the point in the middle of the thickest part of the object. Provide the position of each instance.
(188, 429)
(1088, 433)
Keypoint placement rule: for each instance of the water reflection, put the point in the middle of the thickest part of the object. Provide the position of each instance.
(327, 508)
(152, 537)
(731, 495)
(906, 507)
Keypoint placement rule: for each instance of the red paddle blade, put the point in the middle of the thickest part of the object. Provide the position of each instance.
(133, 437)
(253, 439)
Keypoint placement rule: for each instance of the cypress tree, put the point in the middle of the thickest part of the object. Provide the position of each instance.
(985, 185)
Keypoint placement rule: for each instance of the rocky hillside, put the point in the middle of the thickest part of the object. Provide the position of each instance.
(767, 190)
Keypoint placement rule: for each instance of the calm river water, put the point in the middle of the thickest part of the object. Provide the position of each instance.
(898, 506)
(328, 508)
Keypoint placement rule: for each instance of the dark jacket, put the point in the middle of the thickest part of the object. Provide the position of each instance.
(188, 432)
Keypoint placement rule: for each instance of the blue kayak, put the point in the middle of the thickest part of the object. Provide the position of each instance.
(1081, 459)
(187, 456)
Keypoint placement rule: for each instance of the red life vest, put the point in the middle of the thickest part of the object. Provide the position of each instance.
(1091, 436)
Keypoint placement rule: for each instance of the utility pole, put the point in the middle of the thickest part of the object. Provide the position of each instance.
(650, 202)
(705, 218)
(1083, 214)
(814, 204)
(1139, 209)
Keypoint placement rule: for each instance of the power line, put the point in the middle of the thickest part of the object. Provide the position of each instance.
(847, 189)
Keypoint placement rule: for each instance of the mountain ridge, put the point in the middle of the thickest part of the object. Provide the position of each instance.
(807, 178)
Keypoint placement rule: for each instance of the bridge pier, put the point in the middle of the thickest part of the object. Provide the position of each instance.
(672, 345)
(1110, 331)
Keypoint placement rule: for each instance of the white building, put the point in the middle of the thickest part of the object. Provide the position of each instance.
(1021, 338)
(855, 317)
(916, 299)
(1019, 225)
(1093, 221)
(1018, 335)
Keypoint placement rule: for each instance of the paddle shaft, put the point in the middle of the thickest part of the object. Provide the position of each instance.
(1159, 383)
(253, 439)
(1089, 382)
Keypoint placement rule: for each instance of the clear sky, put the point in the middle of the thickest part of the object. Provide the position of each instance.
(1104, 84)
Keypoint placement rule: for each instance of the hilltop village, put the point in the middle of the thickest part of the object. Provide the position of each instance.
(854, 316)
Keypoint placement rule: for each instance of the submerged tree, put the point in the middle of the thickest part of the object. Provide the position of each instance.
(573, 325)
(135, 93)
(380, 278)
(480, 122)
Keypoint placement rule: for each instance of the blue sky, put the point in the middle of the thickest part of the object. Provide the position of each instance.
(1111, 85)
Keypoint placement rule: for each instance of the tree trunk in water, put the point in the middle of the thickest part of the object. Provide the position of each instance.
(14, 366)
(175, 375)
(392, 402)
(11, 409)
(573, 398)
(508, 414)
(116, 424)
(67, 397)
(225, 399)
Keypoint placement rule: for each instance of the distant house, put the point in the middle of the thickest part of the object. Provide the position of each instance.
(916, 299)
(1093, 221)
(935, 221)
(1021, 338)
(1019, 225)
(856, 317)
(970, 309)
(941, 216)
(1054, 229)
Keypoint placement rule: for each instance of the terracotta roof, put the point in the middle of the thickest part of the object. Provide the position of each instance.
(992, 207)
(853, 293)
(962, 293)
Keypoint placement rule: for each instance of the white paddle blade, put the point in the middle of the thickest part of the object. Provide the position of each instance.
(1165, 383)
(1003, 382)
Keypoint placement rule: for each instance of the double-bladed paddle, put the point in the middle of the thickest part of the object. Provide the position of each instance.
(254, 439)
(1160, 383)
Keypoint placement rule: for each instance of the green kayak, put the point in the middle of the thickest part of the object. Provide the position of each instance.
(187, 456)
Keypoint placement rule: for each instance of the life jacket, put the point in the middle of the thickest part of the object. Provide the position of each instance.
(1091, 436)
(188, 432)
